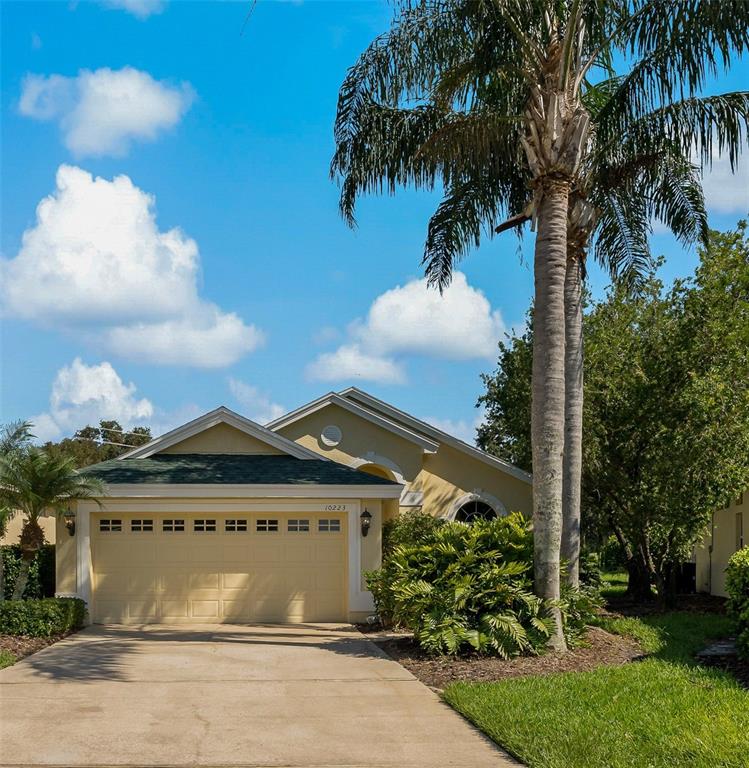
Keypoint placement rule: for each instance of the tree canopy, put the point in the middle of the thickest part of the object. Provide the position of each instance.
(91, 445)
(666, 421)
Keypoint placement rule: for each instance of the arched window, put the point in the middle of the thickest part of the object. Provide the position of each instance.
(475, 510)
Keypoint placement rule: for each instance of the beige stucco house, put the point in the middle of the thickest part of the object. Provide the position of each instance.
(728, 533)
(225, 520)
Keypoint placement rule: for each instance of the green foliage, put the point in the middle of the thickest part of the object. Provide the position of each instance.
(41, 581)
(42, 618)
(466, 587)
(590, 570)
(737, 586)
(413, 527)
(505, 431)
(7, 659)
(666, 421)
(91, 445)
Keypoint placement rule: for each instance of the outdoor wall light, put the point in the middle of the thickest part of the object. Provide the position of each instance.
(69, 518)
(366, 522)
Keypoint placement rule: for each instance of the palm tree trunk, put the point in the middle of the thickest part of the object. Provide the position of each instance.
(547, 416)
(22, 580)
(573, 418)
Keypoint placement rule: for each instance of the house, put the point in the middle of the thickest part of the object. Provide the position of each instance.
(728, 532)
(224, 520)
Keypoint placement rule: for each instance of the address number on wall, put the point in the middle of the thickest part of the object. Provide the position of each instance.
(336, 507)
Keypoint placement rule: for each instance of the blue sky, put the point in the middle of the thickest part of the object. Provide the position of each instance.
(215, 269)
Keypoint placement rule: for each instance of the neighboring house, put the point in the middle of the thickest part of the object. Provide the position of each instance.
(728, 533)
(225, 520)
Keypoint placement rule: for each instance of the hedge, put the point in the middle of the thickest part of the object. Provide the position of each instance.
(42, 618)
(737, 586)
(41, 575)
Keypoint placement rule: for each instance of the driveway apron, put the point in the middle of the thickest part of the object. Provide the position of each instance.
(227, 696)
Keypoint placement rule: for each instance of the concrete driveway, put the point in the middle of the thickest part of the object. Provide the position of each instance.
(302, 695)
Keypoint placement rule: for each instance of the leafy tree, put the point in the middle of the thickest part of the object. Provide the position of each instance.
(91, 445)
(32, 482)
(666, 424)
(490, 100)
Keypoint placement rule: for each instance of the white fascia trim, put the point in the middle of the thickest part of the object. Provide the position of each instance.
(422, 426)
(224, 491)
(222, 415)
(428, 445)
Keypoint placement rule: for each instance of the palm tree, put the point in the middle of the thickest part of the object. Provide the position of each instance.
(32, 483)
(464, 95)
(14, 436)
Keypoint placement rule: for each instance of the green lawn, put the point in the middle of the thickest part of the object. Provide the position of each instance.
(661, 712)
(614, 584)
(6, 659)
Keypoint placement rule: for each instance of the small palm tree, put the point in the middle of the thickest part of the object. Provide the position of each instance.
(14, 436)
(33, 483)
(487, 98)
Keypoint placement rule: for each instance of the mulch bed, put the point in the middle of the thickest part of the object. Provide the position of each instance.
(600, 649)
(21, 645)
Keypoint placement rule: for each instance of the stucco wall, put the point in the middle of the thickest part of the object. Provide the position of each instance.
(443, 477)
(722, 534)
(64, 561)
(361, 440)
(450, 474)
(222, 438)
(15, 525)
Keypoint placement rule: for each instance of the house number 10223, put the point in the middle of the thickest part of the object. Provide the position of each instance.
(335, 507)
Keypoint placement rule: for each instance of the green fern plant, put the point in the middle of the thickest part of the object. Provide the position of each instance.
(466, 588)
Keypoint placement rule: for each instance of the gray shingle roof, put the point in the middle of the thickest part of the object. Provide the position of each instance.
(240, 469)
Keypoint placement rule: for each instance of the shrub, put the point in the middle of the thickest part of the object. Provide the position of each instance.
(42, 618)
(414, 527)
(590, 570)
(465, 587)
(41, 574)
(579, 607)
(737, 586)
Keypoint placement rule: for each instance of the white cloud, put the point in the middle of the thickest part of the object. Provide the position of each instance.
(351, 362)
(103, 112)
(414, 319)
(84, 394)
(258, 406)
(141, 9)
(727, 191)
(461, 428)
(96, 264)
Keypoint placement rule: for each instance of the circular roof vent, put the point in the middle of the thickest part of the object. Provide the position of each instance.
(331, 435)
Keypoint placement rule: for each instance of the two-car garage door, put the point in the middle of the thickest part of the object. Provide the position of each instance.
(266, 567)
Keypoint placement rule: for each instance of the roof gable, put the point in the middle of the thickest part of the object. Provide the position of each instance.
(258, 436)
(367, 401)
(427, 444)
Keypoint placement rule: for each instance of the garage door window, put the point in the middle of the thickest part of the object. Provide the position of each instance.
(110, 526)
(173, 526)
(331, 525)
(204, 526)
(235, 526)
(298, 526)
(266, 526)
(141, 526)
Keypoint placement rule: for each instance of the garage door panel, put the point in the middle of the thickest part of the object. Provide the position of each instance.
(175, 609)
(203, 580)
(142, 609)
(205, 609)
(241, 576)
